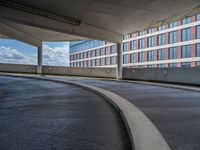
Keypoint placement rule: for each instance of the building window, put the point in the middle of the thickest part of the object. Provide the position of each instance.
(186, 64)
(141, 43)
(125, 37)
(161, 65)
(112, 49)
(133, 45)
(172, 37)
(151, 41)
(93, 62)
(198, 50)
(198, 17)
(172, 53)
(161, 54)
(97, 62)
(101, 51)
(97, 52)
(88, 54)
(198, 32)
(150, 30)
(161, 28)
(150, 66)
(133, 35)
(198, 63)
(107, 61)
(141, 33)
(186, 34)
(125, 47)
(173, 65)
(186, 51)
(173, 24)
(107, 51)
(150, 56)
(85, 55)
(141, 57)
(133, 58)
(186, 20)
(112, 60)
(102, 61)
(125, 59)
(161, 39)
(93, 53)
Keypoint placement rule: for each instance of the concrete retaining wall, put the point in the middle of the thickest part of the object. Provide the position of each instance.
(54, 70)
(177, 75)
(18, 68)
(89, 72)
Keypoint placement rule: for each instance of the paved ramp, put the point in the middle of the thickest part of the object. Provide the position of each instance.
(37, 114)
(176, 113)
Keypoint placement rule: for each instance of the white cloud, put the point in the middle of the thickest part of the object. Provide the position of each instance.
(10, 55)
(57, 56)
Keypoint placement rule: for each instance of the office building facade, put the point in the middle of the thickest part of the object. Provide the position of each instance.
(176, 44)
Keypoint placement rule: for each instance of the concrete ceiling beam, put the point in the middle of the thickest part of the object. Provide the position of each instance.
(19, 35)
(35, 20)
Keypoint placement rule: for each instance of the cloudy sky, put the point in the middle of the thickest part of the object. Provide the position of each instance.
(54, 53)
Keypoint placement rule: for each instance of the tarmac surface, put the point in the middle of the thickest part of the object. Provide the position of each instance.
(43, 115)
(175, 112)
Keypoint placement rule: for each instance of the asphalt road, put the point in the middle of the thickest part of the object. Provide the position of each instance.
(175, 112)
(41, 115)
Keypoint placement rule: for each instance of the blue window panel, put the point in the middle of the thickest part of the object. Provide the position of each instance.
(150, 55)
(141, 57)
(133, 45)
(133, 58)
(161, 54)
(173, 37)
(198, 50)
(125, 47)
(151, 41)
(106, 50)
(112, 49)
(161, 28)
(186, 51)
(112, 60)
(173, 65)
(161, 39)
(141, 43)
(173, 24)
(198, 63)
(173, 53)
(198, 17)
(186, 20)
(150, 30)
(125, 59)
(161, 65)
(186, 64)
(141, 33)
(198, 32)
(186, 34)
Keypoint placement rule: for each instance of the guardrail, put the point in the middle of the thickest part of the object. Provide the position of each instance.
(173, 75)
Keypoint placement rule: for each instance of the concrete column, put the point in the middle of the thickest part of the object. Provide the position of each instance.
(119, 60)
(39, 61)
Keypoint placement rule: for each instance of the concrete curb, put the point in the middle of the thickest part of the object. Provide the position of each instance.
(143, 134)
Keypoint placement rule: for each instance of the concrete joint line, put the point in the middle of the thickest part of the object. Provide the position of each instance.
(143, 134)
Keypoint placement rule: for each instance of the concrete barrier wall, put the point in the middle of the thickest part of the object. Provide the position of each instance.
(89, 72)
(18, 68)
(176, 75)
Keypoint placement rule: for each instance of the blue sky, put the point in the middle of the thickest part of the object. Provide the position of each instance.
(54, 53)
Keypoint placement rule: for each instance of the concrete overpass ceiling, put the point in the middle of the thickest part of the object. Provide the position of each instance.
(118, 16)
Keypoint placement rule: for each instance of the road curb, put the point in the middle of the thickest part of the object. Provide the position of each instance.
(142, 132)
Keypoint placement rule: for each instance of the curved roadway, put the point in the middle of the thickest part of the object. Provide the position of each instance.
(37, 114)
(175, 112)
